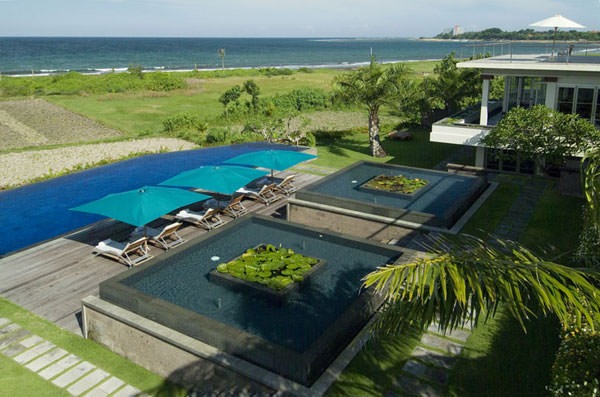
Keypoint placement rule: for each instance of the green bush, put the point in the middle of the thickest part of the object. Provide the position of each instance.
(309, 140)
(576, 368)
(184, 121)
(276, 71)
(302, 99)
(305, 70)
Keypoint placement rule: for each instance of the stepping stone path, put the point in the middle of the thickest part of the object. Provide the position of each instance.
(67, 371)
(426, 372)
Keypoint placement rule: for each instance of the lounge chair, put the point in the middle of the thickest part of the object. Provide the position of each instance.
(235, 207)
(266, 194)
(125, 252)
(166, 237)
(287, 186)
(210, 218)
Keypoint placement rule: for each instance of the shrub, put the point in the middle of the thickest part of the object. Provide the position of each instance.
(159, 81)
(301, 100)
(305, 70)
(276, 71)
(184, 121)
(576, 368)
(309, 140)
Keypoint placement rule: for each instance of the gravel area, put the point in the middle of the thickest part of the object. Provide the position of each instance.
(35, 122)
(20, 167)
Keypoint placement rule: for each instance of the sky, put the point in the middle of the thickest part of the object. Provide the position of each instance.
(279, 18)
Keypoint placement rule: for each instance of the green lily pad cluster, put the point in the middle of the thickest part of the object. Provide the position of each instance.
(396, 183)
(272, 267)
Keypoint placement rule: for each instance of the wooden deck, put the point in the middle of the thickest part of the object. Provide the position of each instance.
(50, 279)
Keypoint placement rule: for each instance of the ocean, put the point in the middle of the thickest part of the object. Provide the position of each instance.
(47, 55)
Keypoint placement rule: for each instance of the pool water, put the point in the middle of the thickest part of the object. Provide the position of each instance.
(40, 211)
(442, 190)
(183, 280)
(443, 200)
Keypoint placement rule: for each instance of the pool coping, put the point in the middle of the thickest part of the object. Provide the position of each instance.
(456, 228)
(445, 221)
(224, 359)
(317, 354)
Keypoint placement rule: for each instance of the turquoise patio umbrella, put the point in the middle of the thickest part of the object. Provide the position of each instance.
(141, 206)
(224, 179)
(271, 159)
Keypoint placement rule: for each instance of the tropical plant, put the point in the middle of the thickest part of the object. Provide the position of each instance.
(230, 95)
(467, 278)
(373, 86)
(221, 52)
(253, 90)
(589, 241)
(270, 129)
(457, 88)
(545, 135)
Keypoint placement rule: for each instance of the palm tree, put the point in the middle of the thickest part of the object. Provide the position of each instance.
(468, 277)
(373, 86)
(221, 52)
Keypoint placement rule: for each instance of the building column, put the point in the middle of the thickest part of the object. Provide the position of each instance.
(483, 117)
(551, 92)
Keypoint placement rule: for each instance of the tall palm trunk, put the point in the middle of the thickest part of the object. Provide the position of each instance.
(374, 142)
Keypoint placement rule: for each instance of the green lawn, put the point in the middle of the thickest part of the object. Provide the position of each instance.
(418, 152)
(499, 358)
(13, 377)
(491, 213)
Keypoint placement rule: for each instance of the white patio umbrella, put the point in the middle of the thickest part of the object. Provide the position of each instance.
(557, 21)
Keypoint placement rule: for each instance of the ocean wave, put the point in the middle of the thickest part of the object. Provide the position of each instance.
(99, 71)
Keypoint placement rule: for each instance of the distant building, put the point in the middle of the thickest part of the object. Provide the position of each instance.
(457, 30)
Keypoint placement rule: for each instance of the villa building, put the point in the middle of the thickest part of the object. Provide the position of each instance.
(565, 82)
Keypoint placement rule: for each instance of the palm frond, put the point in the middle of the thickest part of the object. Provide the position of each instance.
(467, 277)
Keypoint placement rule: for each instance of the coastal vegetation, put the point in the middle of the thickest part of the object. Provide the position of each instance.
(523, 34)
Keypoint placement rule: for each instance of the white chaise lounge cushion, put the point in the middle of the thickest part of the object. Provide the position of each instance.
(189, 214)
(111, 246)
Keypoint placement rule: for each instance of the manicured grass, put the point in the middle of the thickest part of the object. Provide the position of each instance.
(555, 224)
(374, 369)
(419, 152)
(491, 213)
(500, 360)
(16, 380)
(85, 349)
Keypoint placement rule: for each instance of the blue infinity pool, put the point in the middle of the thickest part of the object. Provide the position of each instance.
(40, 211)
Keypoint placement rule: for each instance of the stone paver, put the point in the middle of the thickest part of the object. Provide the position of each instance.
(46, 359)
(16, 347)
(434, 358)
(416, 387)
(127, 391)
(104, 389)
(31, 354)
(12, 338)
(426, 372)
(59, 366)
(3, 322)
(458, 334)
(87, 382)
(441, 344)
(9, 329)
(73, 374)
(31, 341)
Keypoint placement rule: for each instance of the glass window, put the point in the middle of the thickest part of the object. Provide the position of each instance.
(585, 101)
(597, 117)
(540, 93)
(565, 99)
